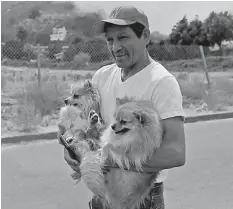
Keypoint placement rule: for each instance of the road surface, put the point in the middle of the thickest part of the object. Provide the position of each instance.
(35, 176)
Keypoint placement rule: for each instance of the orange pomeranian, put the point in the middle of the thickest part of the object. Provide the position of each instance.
(131, 140)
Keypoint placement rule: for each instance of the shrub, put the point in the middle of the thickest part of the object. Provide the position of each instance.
(81, 60)
(27, 117)
(54, 48)
(70, 53)
(97, 49)
(45, 98)
(34, 13)
(194, 87)
(13, 49)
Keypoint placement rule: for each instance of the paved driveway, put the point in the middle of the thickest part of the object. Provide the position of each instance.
(35, 176)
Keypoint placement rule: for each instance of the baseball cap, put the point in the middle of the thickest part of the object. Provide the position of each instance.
(123, 15)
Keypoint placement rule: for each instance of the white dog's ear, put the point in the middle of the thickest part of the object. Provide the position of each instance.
(139, 116)
(88, 84)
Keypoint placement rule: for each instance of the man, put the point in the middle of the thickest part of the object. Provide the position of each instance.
(136, 74)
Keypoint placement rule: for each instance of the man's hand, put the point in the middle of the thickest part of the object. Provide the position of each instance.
(61, 131)
(74, 164)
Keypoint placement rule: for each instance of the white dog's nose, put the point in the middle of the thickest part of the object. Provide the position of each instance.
(113, 126)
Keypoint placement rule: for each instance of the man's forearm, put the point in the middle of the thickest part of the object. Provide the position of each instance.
(164, 158)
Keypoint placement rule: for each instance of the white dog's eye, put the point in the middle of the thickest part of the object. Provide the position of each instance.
(76, 96)
(123, 122)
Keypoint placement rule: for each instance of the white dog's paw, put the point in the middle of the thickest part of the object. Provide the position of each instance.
(93, 117)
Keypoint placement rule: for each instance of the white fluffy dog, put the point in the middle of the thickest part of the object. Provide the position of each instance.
(131, 140)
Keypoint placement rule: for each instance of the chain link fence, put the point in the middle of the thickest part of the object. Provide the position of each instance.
(91, 55)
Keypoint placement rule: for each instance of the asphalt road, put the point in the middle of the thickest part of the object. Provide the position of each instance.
(35, 176)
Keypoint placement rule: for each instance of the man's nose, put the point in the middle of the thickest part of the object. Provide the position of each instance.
(113, 126)
(116, 46)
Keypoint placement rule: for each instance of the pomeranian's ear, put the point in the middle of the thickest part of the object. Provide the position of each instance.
(88, 84)
(139, 116)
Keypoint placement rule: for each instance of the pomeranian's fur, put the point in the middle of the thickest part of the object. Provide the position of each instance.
(80, 119)
(84, 96)
(131, 140)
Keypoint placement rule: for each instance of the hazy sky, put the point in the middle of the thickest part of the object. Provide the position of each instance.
(163, 15)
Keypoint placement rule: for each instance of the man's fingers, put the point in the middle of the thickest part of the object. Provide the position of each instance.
(70, 160)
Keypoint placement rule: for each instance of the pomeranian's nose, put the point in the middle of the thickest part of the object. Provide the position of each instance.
(66, 101)
(113, 126)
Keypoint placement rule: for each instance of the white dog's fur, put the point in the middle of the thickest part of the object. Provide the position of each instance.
(131, 140)
(120, 188)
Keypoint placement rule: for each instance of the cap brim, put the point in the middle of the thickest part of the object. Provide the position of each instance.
(99, 26)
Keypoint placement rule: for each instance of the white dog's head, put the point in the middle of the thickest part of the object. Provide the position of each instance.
(137, 129)
(85, 97)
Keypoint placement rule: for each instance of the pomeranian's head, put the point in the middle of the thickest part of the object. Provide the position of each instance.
(84, 96)
(137, 126)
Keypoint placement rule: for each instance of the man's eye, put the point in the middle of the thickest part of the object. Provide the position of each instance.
(123, 37)
(109, 39)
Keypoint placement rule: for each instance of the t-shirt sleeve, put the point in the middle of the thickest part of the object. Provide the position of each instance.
(167, 98)
(95, 79)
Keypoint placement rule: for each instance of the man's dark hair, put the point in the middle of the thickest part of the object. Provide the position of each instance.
(136, 27)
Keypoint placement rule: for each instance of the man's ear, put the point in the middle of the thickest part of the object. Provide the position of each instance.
(146, 35)
(139, 116)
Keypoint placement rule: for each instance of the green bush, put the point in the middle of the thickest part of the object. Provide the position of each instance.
(81, 60)
(46, 98)
(97, 49)
(54, 48)
(73, 49)
(13, 50)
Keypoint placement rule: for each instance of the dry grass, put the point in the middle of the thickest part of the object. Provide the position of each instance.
(194, 90)
(26, 106)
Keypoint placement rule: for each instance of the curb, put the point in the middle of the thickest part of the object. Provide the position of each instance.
(53, 135)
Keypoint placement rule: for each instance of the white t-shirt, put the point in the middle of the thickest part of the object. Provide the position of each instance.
(154, 83)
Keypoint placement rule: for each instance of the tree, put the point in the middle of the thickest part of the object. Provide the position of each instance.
(156, 37)
(197, 33)
(43, 38)
(179, 34)
(34, 13)
(219, 27)
(185, 33)
(22, 33)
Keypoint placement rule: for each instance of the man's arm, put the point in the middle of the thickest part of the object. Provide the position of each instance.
(172, 151)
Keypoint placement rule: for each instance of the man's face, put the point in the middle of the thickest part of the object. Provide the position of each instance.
(126, 48)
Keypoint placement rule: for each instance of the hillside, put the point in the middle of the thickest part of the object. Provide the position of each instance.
(51, 14)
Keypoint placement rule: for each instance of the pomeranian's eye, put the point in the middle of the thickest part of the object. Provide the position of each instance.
(76, 96)
(123, 122)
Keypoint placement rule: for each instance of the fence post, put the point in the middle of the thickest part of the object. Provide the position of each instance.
(205, 66)
(38, 63)
(209, 95)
